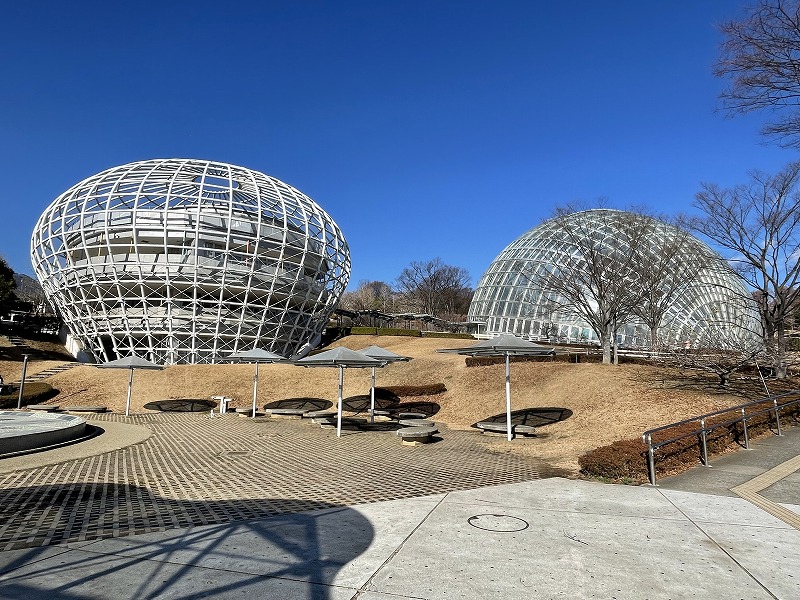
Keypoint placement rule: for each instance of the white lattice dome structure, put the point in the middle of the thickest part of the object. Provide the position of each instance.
(714, 307)
(187, 261)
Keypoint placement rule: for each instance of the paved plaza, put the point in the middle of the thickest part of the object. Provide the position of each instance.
(183, 506)
(196, 470)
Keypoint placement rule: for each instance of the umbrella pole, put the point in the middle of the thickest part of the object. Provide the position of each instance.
(339, 416)
(255, 391)
(508, 397)
(372, 399)
(128, 403)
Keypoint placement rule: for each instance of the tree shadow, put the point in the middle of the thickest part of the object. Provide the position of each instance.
(297, 553)
(300, 404)
(361, 402)
(181, 405)
(531, 417)
(745, 384)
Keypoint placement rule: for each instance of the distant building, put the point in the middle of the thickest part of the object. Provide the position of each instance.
(187, 261)
(714, 307)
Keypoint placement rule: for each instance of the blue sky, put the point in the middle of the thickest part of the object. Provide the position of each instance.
(426, 129)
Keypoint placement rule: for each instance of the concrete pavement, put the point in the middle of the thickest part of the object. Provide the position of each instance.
(552, 538)
(548, 538)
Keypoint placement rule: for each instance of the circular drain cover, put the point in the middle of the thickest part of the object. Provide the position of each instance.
(500, 523)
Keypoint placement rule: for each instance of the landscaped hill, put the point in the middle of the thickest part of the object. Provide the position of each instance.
(608, 403)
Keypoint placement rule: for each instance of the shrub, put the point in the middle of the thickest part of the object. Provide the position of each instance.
(430, 389)
(446, 334)
(385, 331)
(34, 393)
(625, 459)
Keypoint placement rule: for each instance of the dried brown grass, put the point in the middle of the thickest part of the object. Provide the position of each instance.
(609, 403)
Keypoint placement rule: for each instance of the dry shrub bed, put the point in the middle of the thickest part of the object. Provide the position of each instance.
(401, 391)
(609, 404)
(626, 460)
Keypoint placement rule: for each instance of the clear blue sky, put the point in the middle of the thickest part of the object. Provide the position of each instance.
(426, 129)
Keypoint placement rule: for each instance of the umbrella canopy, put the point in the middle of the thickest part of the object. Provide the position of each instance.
(257, 356)
(504, 345)
(129, 362)
(343, 358)
(381, 354)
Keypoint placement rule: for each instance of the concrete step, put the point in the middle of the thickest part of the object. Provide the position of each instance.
(47, 373)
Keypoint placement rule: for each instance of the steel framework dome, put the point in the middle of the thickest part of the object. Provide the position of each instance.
(714, 305)
(186, 261)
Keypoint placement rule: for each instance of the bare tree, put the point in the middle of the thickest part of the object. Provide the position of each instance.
(596, 283)
(666, 268)
(720, 352)
(760, 55)
(435, 288)
(370, 295)
(759, 224)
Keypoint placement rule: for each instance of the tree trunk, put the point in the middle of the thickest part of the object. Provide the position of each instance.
(780, 355)
(654, 339)
(606, 342)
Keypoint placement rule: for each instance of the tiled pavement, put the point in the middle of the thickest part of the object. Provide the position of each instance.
(195, 470)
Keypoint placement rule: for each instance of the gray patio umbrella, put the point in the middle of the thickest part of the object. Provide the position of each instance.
(504, 345)
(380, 354)
(257, 356)
(129, 362)
(342, 358)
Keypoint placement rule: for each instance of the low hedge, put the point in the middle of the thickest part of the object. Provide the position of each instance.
(626, 460)
(482, 361)
(35, 392)
(401, 391)
(447, 334)
(385, 331)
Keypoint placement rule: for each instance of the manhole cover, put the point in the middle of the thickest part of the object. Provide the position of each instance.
(499, 523)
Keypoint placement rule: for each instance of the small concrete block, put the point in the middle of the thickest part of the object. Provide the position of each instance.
(42, 407)
(411, 415)
(416, 423)
(319, 414)
(416, 434)
(286, 413)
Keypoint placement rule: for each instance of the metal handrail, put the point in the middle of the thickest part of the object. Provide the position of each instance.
(647, 436)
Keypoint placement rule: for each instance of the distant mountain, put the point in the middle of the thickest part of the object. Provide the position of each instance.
(28, 289)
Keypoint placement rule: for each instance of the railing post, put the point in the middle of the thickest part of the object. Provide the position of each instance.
(746, 438)
(777, 417)
(651, 461)
(703, 440)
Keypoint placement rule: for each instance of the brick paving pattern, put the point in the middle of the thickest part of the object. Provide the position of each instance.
(195, 470)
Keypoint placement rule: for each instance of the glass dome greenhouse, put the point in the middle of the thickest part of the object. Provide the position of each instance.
(710, 307)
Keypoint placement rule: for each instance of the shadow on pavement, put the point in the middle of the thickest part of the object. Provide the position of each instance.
(291, 555)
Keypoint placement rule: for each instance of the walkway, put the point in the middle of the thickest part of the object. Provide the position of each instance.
(195, 470)
(532, 538)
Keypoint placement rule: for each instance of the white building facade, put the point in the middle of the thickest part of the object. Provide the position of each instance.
(187, 261)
